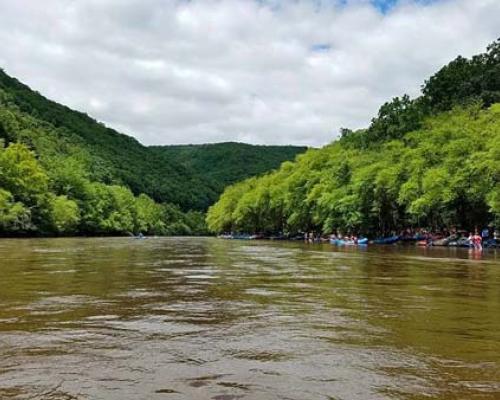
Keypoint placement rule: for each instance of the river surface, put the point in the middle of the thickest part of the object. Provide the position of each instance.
(201, 318)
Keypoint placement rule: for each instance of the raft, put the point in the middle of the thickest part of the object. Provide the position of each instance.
(340, 242)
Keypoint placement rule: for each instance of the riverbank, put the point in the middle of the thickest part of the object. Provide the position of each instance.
(423, 241)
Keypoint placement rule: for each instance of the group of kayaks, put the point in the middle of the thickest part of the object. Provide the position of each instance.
(451, 241)
(419, 240)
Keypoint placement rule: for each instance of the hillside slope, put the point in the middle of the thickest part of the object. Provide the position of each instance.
(227, 163)
(169, 174)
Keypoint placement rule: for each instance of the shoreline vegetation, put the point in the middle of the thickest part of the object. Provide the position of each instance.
(31, 206)
(431, 163)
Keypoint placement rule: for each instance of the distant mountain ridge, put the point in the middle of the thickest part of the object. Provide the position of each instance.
(190, 176)
(228, 162)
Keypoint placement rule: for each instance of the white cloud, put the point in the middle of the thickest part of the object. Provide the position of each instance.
(275, 72)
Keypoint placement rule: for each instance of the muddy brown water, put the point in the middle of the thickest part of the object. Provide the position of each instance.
(202, 318)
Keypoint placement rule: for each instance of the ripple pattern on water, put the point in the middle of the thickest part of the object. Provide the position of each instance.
(200, 318)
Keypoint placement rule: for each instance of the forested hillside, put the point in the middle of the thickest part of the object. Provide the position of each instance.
(159, 172)
(227, 163)
(62, 172)
(433, 161)
(58, 191)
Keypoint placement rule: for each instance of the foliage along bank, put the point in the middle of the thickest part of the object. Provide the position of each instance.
(62, 201)
(433, 161)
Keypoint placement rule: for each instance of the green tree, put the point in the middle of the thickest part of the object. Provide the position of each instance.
(149, 216)
(65, 214)
(14, 216)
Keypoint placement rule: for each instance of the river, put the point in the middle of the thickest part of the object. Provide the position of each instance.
(202, 318)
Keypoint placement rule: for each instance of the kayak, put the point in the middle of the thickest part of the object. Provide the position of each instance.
(462, 242)
(492, 243)
(415, 238)
(237, 237)
(441, 242)
(243, 237)
(387, 240)
(340, 242)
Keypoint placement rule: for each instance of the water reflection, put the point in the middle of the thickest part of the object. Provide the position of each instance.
(210, 319)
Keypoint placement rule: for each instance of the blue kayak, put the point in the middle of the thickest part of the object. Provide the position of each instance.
(341, 242)
(387, 240)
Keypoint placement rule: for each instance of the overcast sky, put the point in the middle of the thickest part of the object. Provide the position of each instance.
(267, 72)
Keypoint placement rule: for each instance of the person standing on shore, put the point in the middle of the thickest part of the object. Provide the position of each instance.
(485, 235)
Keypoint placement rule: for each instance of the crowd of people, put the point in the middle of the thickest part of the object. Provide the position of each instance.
(486, 237)
(313, 237)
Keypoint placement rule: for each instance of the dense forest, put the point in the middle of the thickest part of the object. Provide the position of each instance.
(433, 162)
(227, 163)
(61, 172)
(164, 172)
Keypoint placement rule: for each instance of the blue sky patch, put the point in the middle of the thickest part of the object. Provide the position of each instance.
(385, 6)
(321, 47)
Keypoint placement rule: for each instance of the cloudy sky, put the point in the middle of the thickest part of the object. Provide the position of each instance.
(267, 72)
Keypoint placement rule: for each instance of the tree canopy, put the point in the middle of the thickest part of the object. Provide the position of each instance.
(433, 161)
(447, 173)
